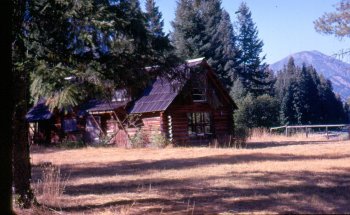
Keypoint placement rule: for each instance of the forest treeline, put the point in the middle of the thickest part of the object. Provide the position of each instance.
(300, 96)
(293, 96)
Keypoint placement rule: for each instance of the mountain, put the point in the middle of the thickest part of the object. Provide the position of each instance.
(331, 68)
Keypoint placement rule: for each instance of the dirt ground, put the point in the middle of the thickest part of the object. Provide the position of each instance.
(289, 176)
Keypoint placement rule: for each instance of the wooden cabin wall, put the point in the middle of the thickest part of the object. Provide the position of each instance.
(221, 123)
(149, 123)
(152, 123)
(179, 123)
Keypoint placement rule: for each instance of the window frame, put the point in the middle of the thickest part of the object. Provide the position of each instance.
(202, 94)
(199, 88)
(199, 124)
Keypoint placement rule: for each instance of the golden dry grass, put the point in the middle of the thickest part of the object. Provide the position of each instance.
(273, 176)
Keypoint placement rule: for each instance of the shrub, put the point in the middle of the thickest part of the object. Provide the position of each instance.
(241, 136)
(69, 144)
(139, 140)
(105, 141)
(158, 140)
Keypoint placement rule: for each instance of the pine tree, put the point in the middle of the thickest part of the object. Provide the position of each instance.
(228, 52)
(105, 46)
(313, 113)
(20, 142)
(253, 68)
(210, 14)
(154, 19)
(163, 52)
(284, 78)
(347, 112)
(203, 29)
(238, 92)
(189, 30)
(306, 97)
(288, 115)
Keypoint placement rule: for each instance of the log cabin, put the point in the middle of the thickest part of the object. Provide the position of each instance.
(193, 109)
(52, 127)
(91, 122)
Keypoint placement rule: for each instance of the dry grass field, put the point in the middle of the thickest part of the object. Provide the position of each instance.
(271, 175)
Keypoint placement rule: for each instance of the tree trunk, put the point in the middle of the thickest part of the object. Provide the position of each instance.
(21, 158)
(6, 91)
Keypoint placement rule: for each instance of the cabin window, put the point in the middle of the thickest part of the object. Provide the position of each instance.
(69, 125)
(199, 89)
(199, 124)
(199, 95)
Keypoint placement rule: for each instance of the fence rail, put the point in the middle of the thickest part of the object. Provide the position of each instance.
(289, 128)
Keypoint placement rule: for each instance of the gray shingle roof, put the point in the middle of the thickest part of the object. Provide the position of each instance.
(162, 92)
(39, 112)
(157, 97)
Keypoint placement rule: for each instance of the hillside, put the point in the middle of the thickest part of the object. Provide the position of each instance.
(331, 68)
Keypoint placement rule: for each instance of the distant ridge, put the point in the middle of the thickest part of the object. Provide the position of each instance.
(331, 68)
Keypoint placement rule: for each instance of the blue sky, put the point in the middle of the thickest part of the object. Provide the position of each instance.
(285, 26)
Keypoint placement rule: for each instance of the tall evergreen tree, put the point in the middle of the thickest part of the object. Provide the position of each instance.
(253, 68)
(331, 105)
(160, 44)
(210, 14)
(284, 78)
(305, 97)
(204, 29)
(347, 112)
(227, 51)
(6, 89)
(189, 30)
(238, 91)
(20, 142)
(155, 22)
(287, 110)
(311, 81)
(103, 45)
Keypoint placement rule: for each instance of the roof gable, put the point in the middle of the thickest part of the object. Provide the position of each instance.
(162, 91)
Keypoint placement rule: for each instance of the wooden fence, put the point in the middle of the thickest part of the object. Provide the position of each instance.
(307, 128)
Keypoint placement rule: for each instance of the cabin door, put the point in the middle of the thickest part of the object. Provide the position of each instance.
(93, 128)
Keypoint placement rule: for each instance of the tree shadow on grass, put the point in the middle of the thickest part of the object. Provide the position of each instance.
(307, 196)
(314, 192)
(144, 166)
